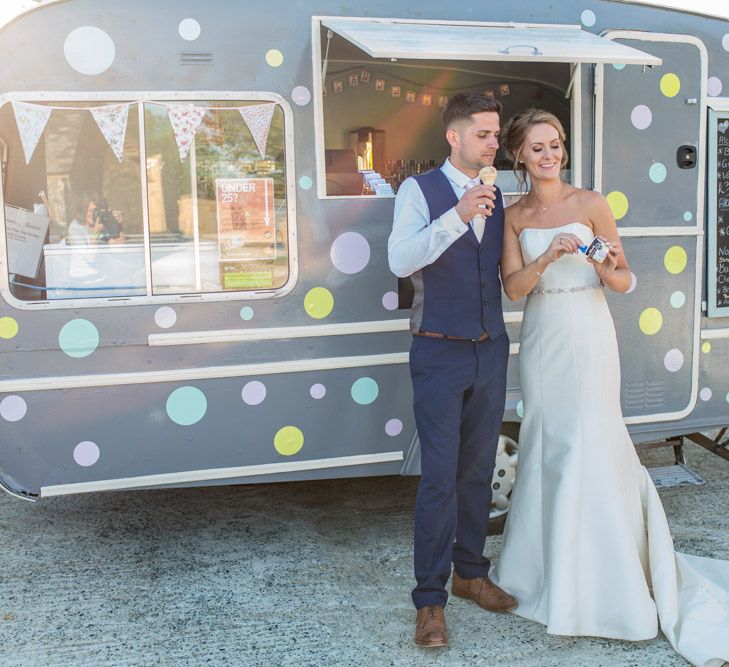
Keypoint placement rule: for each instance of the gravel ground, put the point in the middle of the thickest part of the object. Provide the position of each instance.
(315, 573)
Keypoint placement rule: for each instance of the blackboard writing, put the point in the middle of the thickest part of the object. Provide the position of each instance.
(721, 247)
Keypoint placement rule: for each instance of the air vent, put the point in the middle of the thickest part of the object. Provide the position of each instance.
(644, 394)
(196, 58)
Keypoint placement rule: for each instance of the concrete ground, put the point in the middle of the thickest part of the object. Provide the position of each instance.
(315, 573)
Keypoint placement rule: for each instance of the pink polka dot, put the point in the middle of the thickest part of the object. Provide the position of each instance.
(673, 361)
(350, 252)
(393, 427)
(641, 117)
(253, 392)
(705, 394)
(86, 453)
(13, 408)
(318, 391)
(389, 300)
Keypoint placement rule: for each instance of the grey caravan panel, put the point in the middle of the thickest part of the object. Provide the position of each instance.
(646, 116)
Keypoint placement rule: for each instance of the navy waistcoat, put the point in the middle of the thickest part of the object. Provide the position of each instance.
(460, 293)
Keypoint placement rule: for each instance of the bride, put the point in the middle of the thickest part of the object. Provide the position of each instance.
(587, 549)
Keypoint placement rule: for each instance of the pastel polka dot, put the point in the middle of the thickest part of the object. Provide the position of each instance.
(365, 391)
(8, 327)
(520, 409)
(189, 29)
(588, 18)
(618, 203)
(657, 173)
(725, 42)
(714, 86)
(78, 338)
(641, 117)
(688, 216)
(618, 66)
(253, 393)
(288, 440)
(727, 397)
(670, 84)
(706, 347)
(673, 360)
(246, 313)
(393, 427)
(301, 96)
(633, 283)
(650, 321)
(318, 391)
(389, 300)
(705, 394)
(186, 406)
(318, 302)
(305, 183)
(13, 408)
(678, 299)
(165, 317)
(675, 259)
(89, 50)
(86, 453)
(350, 252)
(274, 58)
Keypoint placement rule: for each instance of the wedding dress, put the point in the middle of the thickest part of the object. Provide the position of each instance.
(587, 549)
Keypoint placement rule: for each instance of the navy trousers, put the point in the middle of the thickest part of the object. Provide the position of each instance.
(459, 390)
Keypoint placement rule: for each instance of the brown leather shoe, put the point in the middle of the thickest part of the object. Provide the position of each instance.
(483, 592)
(430, 628)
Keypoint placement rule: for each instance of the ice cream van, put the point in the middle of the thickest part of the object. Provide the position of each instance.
(196, 201)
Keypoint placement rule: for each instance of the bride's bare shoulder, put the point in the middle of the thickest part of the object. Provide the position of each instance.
(514, 215)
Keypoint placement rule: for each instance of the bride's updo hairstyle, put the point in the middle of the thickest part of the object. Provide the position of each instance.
(518, 126)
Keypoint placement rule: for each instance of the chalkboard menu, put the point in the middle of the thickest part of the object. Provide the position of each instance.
(718, 215)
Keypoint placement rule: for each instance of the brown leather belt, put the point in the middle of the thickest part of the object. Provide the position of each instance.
(430, 334)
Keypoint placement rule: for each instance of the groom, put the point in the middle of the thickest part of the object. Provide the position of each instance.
(447, 236)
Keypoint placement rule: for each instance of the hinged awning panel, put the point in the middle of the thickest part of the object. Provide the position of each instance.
(383, 38)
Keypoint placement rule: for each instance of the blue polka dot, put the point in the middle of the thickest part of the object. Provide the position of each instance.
(305, 183)
(186, 406)
(619, 66)
(658, 172)
(588, 18)
(78, 338)
(365, 391)
(246, 313)
(688, 216)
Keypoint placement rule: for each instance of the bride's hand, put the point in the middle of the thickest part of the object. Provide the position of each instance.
(561, 245)
(611, 261)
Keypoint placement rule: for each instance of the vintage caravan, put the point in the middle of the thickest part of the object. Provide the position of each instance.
(196, 203)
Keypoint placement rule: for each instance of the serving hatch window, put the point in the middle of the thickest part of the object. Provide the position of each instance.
(207, 213)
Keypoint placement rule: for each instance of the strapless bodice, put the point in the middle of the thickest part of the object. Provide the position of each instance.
(569, 272)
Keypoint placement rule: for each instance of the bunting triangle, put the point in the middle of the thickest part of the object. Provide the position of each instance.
(112, 121)
(32, 120)
(258, 120)
(185, 120)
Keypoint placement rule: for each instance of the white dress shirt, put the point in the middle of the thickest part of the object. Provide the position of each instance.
(416, 242)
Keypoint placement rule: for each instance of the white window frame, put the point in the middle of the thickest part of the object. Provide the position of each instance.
(108, 97)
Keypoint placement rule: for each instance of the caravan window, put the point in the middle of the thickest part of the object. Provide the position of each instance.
(382, 116)
(144, 199)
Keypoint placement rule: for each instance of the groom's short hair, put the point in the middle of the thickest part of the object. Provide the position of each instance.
(462, 106)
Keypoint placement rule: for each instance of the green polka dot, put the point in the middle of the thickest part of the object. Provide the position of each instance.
(365, 391)
(520, 409)
(186, 406)
(318, 302)
(675, 259)
(727, 397)
(650, 321)
(305, 183)
(658, 172)
(619, 66)
(246, 313)
(274, 58)
(8, 327)
(288, 440)
(618, 203)
(670, 84)
(78, 338)
(678, 298)
(688, 216)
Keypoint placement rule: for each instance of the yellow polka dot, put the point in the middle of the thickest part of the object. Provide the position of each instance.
(706, 347)
(651, 321)
(8, 327)
(288, 440)
(670, 84)
(675, 259)
(318, 302)
(618, 203)
(274, 58)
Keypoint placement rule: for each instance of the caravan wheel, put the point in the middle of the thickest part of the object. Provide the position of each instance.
(507, 455)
